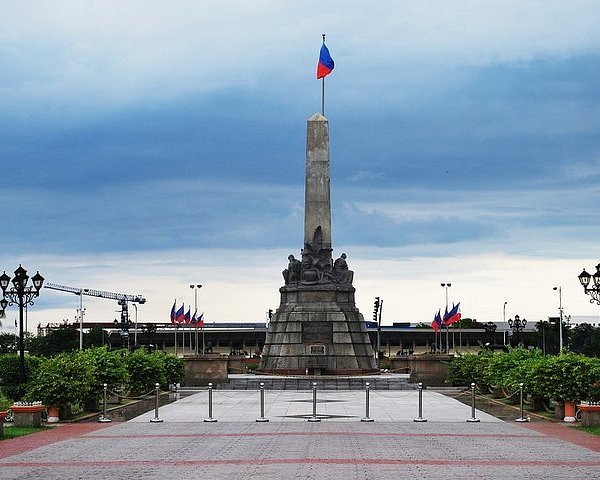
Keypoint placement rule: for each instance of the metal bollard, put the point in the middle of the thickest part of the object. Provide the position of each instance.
(210, 417)
(521, 419)
(314, 417)
(103, 418)
(262, 404)
(367, 418)
(420, 417)
(156, 391)
(473, 418)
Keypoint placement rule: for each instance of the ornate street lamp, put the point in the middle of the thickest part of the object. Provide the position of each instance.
(490, 328)
(594, 290)
(517, 326)
(20, 294)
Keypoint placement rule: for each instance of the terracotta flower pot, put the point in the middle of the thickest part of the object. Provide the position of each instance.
(569, 411)
(53, 414)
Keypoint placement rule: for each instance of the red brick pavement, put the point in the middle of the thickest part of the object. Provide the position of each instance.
(25, 443)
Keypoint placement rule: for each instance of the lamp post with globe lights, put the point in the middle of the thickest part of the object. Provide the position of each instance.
(21, 294)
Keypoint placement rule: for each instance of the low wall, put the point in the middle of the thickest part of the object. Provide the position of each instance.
(430, 369)
(590, 415)
(200, 370)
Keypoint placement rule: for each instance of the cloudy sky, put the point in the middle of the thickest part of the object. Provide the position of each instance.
(148, 145)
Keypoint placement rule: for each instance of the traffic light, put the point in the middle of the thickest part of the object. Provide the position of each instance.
(375, 309)
(270, 314)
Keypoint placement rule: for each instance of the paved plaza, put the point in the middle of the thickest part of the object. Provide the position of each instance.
(184, 446)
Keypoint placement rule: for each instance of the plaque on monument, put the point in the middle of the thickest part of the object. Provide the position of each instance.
(317, 332)
(317, 349)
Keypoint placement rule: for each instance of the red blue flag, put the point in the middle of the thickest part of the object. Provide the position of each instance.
(453, 315)
(179, 315)
(325, 65)
(437, 321)
(173, 314)
(194, 320)
(186, 317)
(201, 320)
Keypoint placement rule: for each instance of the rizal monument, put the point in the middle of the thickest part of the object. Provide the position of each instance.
(317, 328)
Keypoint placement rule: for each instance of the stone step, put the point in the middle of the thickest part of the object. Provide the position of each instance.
(396, 382)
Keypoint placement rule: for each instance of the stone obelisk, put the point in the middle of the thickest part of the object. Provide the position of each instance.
(317, 328)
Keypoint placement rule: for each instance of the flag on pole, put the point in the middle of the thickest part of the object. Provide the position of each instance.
(179, 315)
(194, 320)
(187, 316)
(437, 321)
(453, 315)
(201, 320)
(173, 312)
(325, 65)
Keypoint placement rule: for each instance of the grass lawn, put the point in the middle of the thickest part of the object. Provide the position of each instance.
(594, 430)
(13, 432)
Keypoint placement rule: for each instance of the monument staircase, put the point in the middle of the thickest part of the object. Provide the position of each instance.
(376, 382)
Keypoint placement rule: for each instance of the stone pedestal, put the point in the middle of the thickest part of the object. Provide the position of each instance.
(430, 369)
(202, 369)
(318, 330)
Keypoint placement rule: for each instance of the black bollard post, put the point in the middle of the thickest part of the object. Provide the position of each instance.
(473, 418)
(420, 417)
(521, 419)
(314, 417)
(103, 418)
(210, 417)
(156, 392)
(262, 404)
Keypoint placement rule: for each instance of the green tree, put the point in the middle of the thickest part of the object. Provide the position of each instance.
(62, 339)
(585, 338)
(8, 343)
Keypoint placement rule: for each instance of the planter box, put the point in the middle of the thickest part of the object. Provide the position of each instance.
(590, 415)
(28, 415)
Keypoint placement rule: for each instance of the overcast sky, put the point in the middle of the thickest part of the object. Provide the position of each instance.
(148, 145)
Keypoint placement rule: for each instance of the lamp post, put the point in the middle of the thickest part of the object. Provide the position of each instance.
(135, 327)
(490, 328)
(560, 316)
(197, 287)
(377, 307)
(504, 321)
(446, 286)
(22, 295)
(517, 326)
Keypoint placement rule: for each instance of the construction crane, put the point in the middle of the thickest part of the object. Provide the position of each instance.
(121, 298)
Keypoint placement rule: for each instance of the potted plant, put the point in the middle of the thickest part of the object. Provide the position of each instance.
(62, 381)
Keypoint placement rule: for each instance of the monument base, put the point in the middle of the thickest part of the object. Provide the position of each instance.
(317, 330)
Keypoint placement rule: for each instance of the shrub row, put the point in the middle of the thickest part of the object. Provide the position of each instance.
(568, 376)
(77, 378)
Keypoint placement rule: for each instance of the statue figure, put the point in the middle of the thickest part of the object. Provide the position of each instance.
(292, 273)
(341, 272)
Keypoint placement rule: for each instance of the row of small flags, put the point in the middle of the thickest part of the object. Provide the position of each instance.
(178, 315)
(449, 318)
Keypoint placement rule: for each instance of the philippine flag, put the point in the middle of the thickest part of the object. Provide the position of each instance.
(325, 65)
(173, 313)
(179, 315)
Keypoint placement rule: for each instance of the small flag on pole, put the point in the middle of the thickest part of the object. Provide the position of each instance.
(325, 65)
(186, 317)
(194, 320)
(453, 315)
(179, 315)
(437, 321)
(173, 312)
(201, 320)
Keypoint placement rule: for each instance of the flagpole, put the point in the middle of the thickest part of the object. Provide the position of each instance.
(323, 89)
